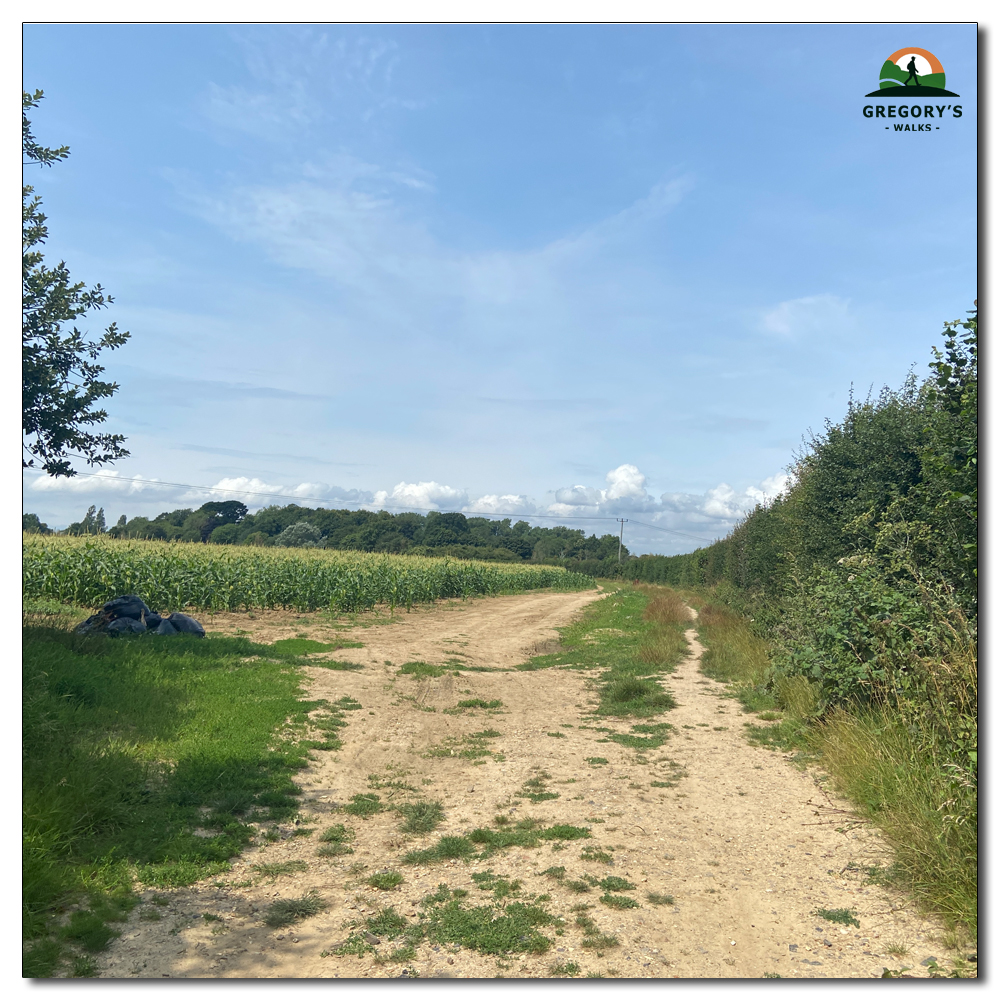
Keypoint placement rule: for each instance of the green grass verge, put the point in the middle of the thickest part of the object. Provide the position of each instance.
(129, 747)
(632, 638)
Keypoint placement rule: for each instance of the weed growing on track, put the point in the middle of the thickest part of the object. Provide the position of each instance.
(526, 833)
(420, 817)
(419, 670)
(280, 868)
(594, 937)
(534, 788)
(444, 850)
(471, 747)
(565, 969)
(288, 911)
(384, 880)
(129, 747)
(618, 902)
(335, 841)
(846, 917)
(614, 883)
(659, 899)
(364, 804)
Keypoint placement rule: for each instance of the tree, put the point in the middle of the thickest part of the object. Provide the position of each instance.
(60, 378)
(33, 525)
(301, 535)
(92, 523)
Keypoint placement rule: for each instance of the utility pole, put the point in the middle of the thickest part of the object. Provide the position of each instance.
(621, 535)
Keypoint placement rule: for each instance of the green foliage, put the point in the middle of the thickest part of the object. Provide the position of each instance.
(497, 929)
(480, 703)
(59, 375)
(614, 883)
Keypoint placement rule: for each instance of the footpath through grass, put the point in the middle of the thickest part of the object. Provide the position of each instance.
(130, 747)
(896, 774)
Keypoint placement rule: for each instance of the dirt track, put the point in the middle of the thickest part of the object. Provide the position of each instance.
(748, 845)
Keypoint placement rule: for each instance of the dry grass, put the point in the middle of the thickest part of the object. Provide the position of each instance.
(666, 607)
(734, 653)
(925, 805)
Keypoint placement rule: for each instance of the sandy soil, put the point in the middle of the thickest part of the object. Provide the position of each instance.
(747, 844)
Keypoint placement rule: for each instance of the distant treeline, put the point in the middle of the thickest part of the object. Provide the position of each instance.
(229, 523)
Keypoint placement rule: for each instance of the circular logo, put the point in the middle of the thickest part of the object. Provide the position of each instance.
(913, 73)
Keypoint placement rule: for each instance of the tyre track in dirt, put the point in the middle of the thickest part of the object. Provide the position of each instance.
(745, 843)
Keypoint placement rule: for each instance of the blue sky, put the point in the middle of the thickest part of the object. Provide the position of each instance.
(573, 270)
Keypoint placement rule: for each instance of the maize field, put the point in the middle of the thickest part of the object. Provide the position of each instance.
(89, 570)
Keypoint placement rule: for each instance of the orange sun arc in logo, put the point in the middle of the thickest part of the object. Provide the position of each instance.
(936, 66)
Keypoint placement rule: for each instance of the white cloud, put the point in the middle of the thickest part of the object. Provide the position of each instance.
(101, 481)
(626, 482)
(422, 495)
(812, 316)
(626, 490)
(723, 503)
(508, 503)
(254, 492)
(577, 496)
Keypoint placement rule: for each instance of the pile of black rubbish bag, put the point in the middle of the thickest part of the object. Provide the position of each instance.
(128, 615)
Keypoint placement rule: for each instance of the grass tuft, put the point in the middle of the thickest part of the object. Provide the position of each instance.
(276, 868)
(659, 899)
(364, 804)
(420, 817)
(384, 880)
(287, 911)
(444, 850)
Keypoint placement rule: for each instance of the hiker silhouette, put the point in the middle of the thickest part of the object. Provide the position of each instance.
(911, 67)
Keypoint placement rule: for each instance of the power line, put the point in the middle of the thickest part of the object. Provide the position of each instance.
(425, 510)
(674, 531)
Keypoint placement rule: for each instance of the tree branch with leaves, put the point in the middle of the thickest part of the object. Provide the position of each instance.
(60, 380)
